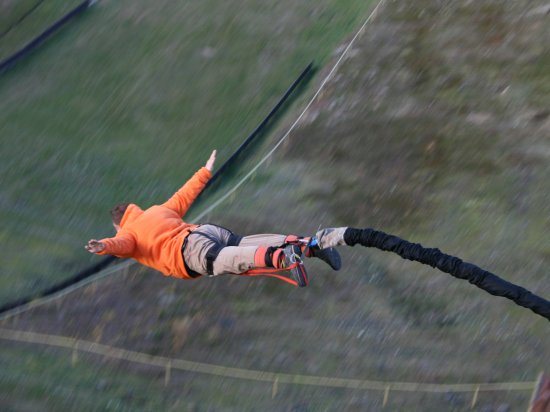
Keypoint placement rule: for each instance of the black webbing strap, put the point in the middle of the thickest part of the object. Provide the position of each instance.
(211, 256)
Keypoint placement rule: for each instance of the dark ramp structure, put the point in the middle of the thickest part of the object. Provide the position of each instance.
(452, 265)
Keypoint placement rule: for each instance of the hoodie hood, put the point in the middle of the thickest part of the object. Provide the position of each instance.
(132, 213)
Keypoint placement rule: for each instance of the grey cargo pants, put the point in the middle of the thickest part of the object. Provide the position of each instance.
(231, 259)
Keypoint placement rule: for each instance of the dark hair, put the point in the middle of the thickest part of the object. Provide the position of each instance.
(118, 211)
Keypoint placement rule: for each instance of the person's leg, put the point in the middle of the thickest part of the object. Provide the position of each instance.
(328, 255)
(238, 259)
(250, 253)
(253, 252)
(263, 240)
(199, 242)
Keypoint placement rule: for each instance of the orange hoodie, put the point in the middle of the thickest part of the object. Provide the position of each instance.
(154, 237)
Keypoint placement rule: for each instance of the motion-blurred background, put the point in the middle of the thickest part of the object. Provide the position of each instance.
(436, 128)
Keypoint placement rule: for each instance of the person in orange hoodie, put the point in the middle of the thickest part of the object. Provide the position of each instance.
(159, 238)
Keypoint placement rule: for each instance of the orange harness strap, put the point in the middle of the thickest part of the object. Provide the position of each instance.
(269, 272)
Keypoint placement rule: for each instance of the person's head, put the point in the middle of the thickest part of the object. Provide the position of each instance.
(117, 213)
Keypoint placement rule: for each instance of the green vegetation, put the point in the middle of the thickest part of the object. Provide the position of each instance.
(21, 21)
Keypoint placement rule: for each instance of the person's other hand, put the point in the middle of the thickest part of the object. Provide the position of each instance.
(95, 246)
(210, 163)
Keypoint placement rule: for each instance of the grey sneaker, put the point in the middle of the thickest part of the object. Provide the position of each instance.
(329, 255)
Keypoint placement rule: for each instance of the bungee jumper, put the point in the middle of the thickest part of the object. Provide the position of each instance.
(158, 237)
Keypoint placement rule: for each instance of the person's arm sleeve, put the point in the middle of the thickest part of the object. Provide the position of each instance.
(122, 245)
(184, 198)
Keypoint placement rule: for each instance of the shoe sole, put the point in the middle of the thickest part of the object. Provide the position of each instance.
(298, 273)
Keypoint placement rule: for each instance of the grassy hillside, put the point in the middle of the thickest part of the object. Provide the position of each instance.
(435, 128)
(126, 103)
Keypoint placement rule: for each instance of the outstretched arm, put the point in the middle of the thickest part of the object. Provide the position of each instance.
(211, 160)
(123, 244)
(182, 200)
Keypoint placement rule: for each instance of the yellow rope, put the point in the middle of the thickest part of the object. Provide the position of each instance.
(249, 374)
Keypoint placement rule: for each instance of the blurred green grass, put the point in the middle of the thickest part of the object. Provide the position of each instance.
(22, 21)
(13, 12)
(126, 103)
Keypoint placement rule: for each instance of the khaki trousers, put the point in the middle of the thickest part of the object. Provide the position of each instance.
(231, 259)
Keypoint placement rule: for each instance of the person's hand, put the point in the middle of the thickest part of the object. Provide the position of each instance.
(210, 163)
(95, 246)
